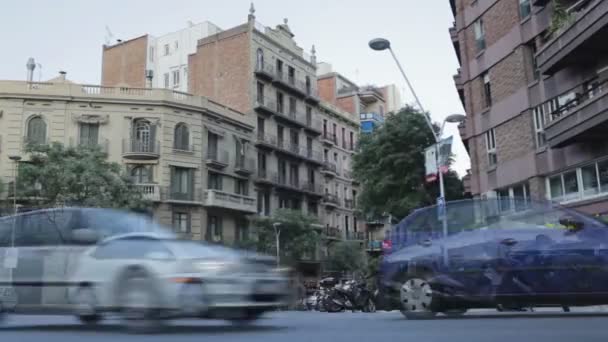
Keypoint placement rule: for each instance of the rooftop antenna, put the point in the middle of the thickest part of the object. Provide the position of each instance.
(109, 36)
(30, 66)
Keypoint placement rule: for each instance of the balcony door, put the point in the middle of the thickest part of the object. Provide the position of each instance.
(182, 180)
(143, 136)
(212, 145)
(89, 134)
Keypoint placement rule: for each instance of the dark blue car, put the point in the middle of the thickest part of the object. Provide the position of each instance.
(533, 254)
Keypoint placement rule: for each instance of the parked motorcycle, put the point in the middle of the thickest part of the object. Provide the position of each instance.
(351, 295)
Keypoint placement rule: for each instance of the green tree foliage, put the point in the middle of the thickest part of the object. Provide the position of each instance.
(346, 256)
(298, 236)
(390, 167)
(58, 175)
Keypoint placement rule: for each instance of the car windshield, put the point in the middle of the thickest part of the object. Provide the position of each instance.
(479, 215)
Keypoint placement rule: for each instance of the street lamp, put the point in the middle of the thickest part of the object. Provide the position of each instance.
(277, 234)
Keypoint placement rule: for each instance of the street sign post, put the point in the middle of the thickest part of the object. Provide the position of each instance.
(440, 208)
(437, 159)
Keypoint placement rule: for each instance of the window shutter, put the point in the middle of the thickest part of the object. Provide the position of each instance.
(174, 185)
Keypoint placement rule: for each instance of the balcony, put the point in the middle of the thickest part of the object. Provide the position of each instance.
(284, 80)
(313, 125)
(582, 119)
(265, 105)
(266, 140)
(355, 236)
(312, 95)
(225, 200)
(331, 201)
(349, 204)
(181, 197)
(264, 70)
(332, 233)
(102, 144)
(374, 246)
(458, 80)
(329, 169)
(263, 176)
(370, 94)
(329, 139)
(244, 166)
(312, 189)
(580, 41)
(141, 150)
(150, 192)
(217, 158)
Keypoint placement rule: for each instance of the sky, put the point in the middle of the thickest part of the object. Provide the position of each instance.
(68, 35)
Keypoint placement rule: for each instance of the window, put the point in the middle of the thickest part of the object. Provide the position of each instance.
(570, 185)
(260, 95)
(294, 140)
(325, 127)
(212, 146)
(166, 78)
(291, 75)
(263, 203)
(590, 180)
(336, 158)
(504, 199)
(181, 138)
(214, 228)
(176, 44)
(491, 147)
(313, 208)
(325, 155)
(280, 137)
(602, 170)
(151, 54)
(352, 141)
(292, 106)
(89, 134)
(166, 50)
(308, 85)
(181, 222)
(294, 175)
(487, 89)
(480, 35)
(539, 126)
(311, 175)
(282, 171)
(524, 8)
(175, 78)
(261, 129)
(308, 116)
(241, 187)
(280, 104)
(214, 181)
(531, 51)
(343, 137)
(132, 248)
(280, 68)
(141, 174)
(240, 148)
(242, 229)
(309, 147)
(182, 181)
(36, 130)
(260, 59)
(262, 164)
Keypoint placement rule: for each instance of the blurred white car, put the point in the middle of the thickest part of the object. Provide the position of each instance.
(147, 277)
(91, 262)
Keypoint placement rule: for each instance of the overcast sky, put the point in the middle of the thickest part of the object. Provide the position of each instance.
(68, 35)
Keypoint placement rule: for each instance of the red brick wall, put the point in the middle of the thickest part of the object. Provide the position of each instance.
(327, 89)
(498, 21)
(348, 104)
(220, 69)
(125, 64)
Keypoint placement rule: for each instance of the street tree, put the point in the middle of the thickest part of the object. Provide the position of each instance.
(346, 257)
(56, 175)
(390, 167)
(298, 235)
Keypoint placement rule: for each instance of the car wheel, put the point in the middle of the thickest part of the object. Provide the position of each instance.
(85, 303)
(417, 298)
(138, 300)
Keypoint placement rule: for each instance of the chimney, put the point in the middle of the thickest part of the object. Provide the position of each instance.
(62, 75)
(30, 65)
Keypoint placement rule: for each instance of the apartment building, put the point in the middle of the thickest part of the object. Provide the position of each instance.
(154, 62)
(533, 83)
(368, 103)
(192, 157)
(340, 136)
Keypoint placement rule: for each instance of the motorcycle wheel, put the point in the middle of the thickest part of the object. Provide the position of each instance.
(332, 306)
(370, 306)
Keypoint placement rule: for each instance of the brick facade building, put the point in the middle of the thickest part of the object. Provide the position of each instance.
(533, 88)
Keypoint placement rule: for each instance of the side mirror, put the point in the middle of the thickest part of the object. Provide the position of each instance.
(85, 236)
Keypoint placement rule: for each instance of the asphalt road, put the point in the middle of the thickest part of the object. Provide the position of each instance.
(314, 326)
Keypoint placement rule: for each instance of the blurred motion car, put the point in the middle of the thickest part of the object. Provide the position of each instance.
(495, 254)
(91, 262)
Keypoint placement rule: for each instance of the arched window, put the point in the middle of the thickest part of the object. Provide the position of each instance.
(142, 135)
(141, 175)
(260, 59)
(36, 130)
(181, 138)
